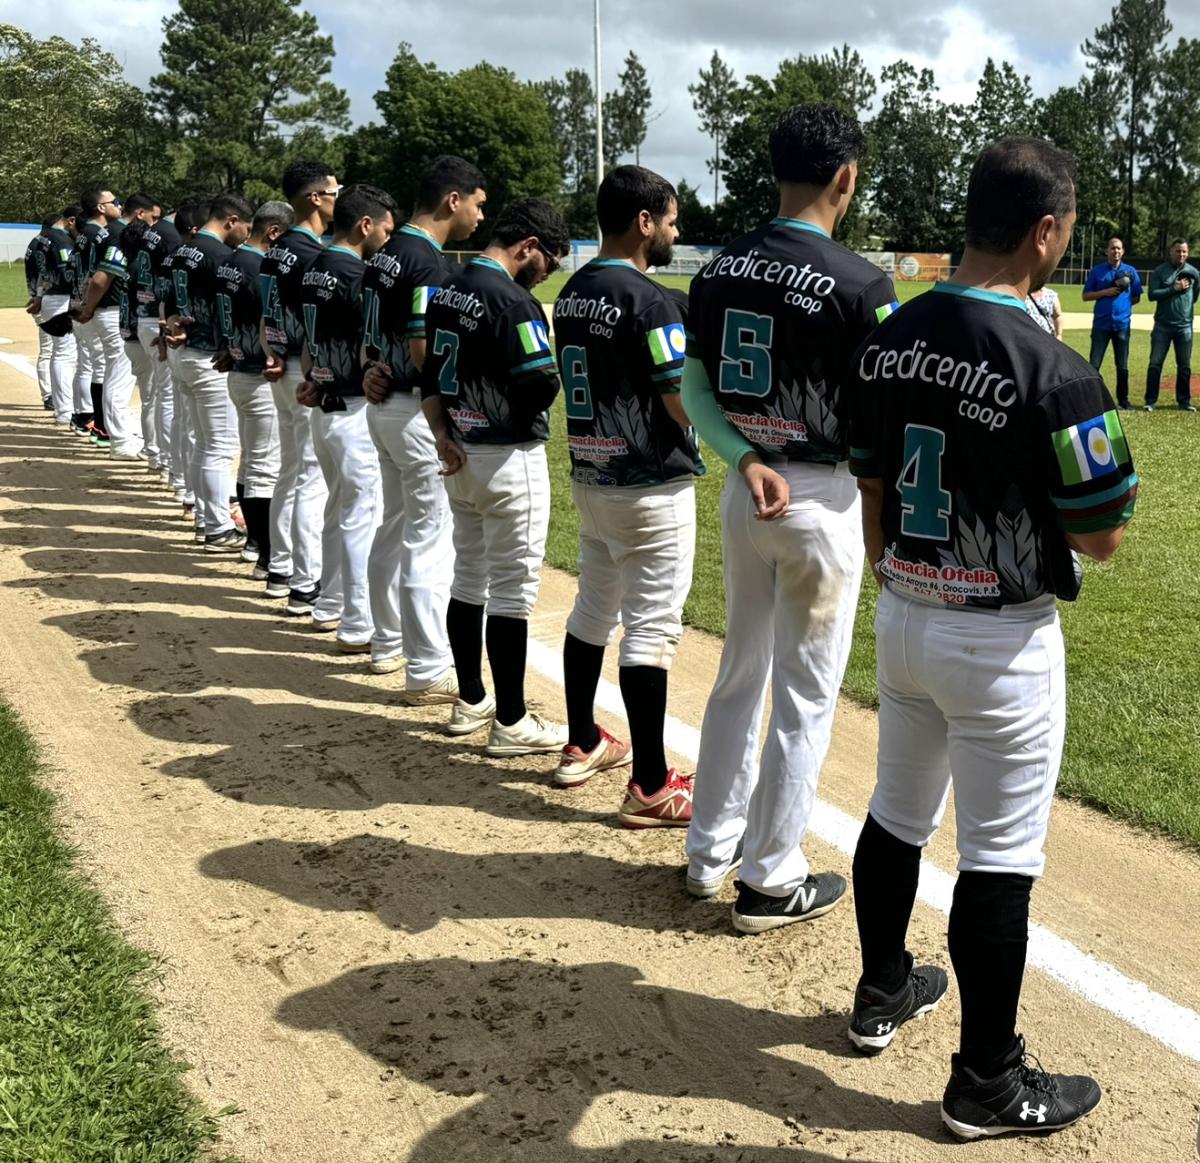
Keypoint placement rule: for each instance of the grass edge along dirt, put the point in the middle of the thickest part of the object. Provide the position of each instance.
(84, 1076)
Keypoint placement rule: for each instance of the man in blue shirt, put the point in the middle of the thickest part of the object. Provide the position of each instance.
(1114, 286)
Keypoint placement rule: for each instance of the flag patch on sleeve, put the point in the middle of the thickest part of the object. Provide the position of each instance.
(534, 337)
(667, 344)
(1091, 449)
(881, 313)
(420, 299)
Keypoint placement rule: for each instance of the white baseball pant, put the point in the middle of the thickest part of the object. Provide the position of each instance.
(350, 466)
(298, 503)
(500, 501)
(216, 441)
(636, 549)
(44, 356)
(118, 383)
(258, 432)
(183, 435)
(791, 589)
(976, 699)
(411, 564)
(89, 365)
(159, 394)
(139, 364)
(62, 360)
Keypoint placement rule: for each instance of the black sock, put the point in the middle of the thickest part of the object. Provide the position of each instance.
(240, 489)
(257, 514)
(464, 627)
(885, 887)
(644, 692)
(989, 933)
(582, 663)
(98, 410)
(506, 639)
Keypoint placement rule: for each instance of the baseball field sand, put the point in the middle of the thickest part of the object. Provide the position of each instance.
(383, 946)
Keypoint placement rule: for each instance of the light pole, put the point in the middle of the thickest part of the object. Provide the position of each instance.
(599, 113)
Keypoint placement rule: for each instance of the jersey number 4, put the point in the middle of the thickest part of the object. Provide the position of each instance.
(577, 390)
(924, 504)
(746, 354)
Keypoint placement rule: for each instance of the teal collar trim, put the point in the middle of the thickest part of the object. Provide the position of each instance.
(800, 224)
(484, 261)
(251, 249)
(417, 232)
(983, 296)
(345, 250)
(210, 234)
(614, 262)
(305, 230)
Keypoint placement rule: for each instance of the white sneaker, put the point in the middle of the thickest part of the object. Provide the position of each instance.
(122, 455)
(467, 718)
(445, 690)
(527, 736)
(389, 665)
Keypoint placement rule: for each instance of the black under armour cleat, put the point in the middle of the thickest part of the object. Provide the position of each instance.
(877, 1016)
(1023, 1099)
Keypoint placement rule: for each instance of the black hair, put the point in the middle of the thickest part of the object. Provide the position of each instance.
(626, 192)
(532, 218)
(359, 201)
(49, 221)
(89, 201)
(811, 142)
(133, 230)
(1178, 242)
(1015, 183)
(301, 174)
(229, 202)
(192, 213)
(139, 202)
(447, 175)
(72, 211)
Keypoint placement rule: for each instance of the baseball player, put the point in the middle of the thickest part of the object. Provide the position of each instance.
(620, 340)
(239, 315)
(50, 309)
(412, 557)
(986, 452)
(774, 320)
(36, 276)
(487, 382)
(139, 214)
(331, 302)
(193, 329)
(299, 499)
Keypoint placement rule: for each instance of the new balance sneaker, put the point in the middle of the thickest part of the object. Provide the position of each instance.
(388, 665)
(277, 585)
(877, 1016)
(669, 807)
(756, 912)
(445, 690)
(301, 602)
(578, 766)
(1022, 1099)
(344, 647)
(228, 541)
(529, 735)
(704, 887)
(467, 718)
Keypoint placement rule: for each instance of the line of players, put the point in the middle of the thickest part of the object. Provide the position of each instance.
(393, 419)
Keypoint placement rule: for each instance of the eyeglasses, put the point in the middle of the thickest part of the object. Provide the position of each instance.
(331, 193)
(111, 202)
(554, 261)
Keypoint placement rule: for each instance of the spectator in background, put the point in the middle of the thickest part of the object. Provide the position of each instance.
(1043, 307)
(1174, 288)
(1114, 286)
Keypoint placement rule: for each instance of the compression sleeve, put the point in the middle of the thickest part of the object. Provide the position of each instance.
(707, 418)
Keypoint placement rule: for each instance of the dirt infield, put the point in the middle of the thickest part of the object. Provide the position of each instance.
(383, 946)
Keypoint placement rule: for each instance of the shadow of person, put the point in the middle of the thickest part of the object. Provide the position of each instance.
(556, 1054)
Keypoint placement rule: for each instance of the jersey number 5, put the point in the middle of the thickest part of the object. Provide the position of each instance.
(577, 391)
(924, 504)
(446, 343)
(746, 353)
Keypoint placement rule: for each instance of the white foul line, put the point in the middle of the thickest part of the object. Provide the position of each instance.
(21, 362)
(1167, 1021)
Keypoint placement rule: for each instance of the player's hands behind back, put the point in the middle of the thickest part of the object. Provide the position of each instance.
(451, 454)
(768, 488)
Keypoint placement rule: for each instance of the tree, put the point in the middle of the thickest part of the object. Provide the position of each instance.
(1172, 150)
(239, 79)
(61, 107)
(697, 223)
(916, 162)
(715, 99)
(630, 106)
(1127, 52)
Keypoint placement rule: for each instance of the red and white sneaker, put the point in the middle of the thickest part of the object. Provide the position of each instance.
(671, 807)
(578, 766)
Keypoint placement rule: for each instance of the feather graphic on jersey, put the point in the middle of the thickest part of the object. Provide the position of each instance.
(1017, 548)
(974, 544)
(493, 404)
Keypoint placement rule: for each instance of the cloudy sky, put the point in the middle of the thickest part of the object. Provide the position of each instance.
(673, 38)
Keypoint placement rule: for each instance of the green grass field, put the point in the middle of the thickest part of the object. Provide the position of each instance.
(83, 1076)
(1133, 738)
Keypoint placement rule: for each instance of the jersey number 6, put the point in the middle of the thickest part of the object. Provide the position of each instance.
(577, 391)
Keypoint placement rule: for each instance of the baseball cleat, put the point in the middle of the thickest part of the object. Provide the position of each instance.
(325, 625)
(1023, 1099)
(669, 807)
(445, 690)
(578, 766)
(259, 572)
(704, 887)
(529, 735)
(388, 665)
(277, 585)
(229, 541)
(250, 551)
(756, 912)
(301, 602)
(877, 1016)
(467, 718)
(344, 647)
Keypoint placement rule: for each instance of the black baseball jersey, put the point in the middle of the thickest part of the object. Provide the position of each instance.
(775, 318)
(489, 357)
(132, 243)
(620, 340)
(157, 247)
(331, 303)
(60, 264)
(36, 263)
(993, 441)
(97, 248)
(194, 282)
(398, 283)
(239, 308)
(279, 287)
